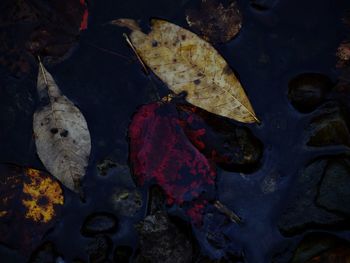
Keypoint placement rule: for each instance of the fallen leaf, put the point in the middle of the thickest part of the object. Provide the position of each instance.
(29, 28)
(161, 154)
(343, 55)
(232, 147)
(84, 20)
(30, 202)
(187, 63)
(214, 22)
(61, 134)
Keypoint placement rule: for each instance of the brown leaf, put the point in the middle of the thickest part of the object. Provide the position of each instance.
(343, 55)
(214, 22)
(34, 27)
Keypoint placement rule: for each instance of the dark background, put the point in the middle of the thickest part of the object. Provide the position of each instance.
(273, 46)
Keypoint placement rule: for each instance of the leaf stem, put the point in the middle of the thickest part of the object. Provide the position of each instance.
(43, 71)
(232, 215)
(136, 53)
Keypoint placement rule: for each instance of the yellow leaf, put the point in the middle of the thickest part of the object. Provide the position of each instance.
(187, 63)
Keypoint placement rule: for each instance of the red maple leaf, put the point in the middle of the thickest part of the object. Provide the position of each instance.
(160, 153)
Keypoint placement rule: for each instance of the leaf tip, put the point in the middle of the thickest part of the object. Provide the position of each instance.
(126, 22)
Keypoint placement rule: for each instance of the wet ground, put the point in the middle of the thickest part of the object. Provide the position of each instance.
(273, 46)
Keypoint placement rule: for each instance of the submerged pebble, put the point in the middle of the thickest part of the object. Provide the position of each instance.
(308, 90)
(99, 223)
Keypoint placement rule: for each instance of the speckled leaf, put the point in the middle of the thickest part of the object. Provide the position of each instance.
(185, 62)
(61, 134)
(30, 202)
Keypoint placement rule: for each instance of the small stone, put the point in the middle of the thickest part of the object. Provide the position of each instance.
(99, 223)
(123, 254)
(270, 182)
(329, 127)
(99, 249)
(322, 247)
(308, 90)
(126, 202)
(300, 211)
(334, 194)
(161, 241)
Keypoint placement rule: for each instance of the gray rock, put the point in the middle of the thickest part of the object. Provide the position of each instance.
(315, 246)
(99, 223)
(161, 241)
(329, 127)
(334, 193)
(301, 211)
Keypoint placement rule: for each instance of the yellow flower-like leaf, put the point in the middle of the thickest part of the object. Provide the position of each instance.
(30, 203)
(43, 193)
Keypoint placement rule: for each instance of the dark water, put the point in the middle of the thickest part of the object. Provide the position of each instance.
(273, 46)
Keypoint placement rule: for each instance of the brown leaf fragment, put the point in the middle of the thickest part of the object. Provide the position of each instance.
(215, 22)
(343, 55)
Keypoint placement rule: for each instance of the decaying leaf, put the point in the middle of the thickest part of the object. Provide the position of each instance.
(187, 63)
(343, 55)
(214, 22)
(161, 154)
(61, 134)
(50, 29)
(232, 147)
(30, 202)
